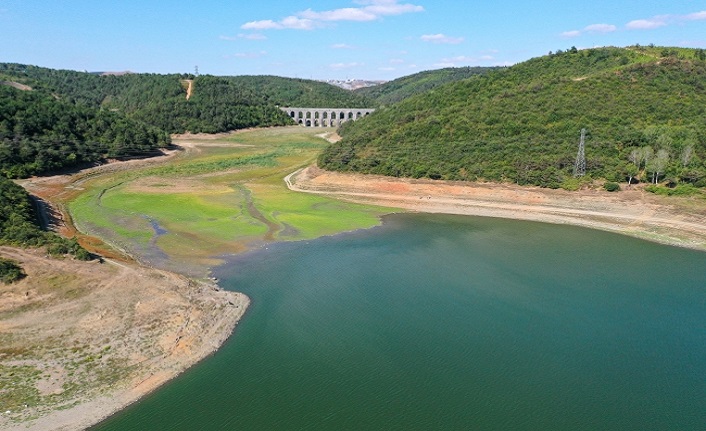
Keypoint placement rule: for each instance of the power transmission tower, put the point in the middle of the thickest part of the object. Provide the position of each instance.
(580, 166)
(196, 70)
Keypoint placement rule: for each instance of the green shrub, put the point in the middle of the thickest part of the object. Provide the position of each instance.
(611, 186)
(571, 184)
(10, 271)
(680, 190)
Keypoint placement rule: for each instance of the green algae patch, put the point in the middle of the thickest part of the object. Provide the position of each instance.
(310, 215)
(221, 195)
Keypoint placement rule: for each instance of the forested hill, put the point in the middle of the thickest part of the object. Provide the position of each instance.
(643, 108)
(40, 134)
(217, 104)
(407, 86)
(64, 118)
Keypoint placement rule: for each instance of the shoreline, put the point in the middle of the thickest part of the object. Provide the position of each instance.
(667, 220)
(194, 318)
(159, 326)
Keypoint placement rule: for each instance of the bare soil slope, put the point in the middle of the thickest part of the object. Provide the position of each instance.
(80, 340)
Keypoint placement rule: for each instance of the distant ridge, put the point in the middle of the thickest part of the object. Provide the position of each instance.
(408, 86)
(125, 72)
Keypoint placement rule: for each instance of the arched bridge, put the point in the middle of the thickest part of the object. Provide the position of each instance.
(325, 117)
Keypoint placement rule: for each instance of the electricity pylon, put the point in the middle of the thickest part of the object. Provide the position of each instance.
(580, 166)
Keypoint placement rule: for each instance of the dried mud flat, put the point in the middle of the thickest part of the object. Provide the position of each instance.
(674, 221)
(81, 340)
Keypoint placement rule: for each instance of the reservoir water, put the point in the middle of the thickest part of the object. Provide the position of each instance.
(453, 323)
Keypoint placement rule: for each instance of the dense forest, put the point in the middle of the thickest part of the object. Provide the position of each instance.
(643, 109)
(217, 104)
(40, 134)
(407, 86)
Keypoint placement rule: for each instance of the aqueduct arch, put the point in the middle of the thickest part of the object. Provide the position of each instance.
(325, 117)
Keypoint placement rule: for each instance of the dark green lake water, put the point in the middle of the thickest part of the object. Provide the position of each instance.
(453, 323)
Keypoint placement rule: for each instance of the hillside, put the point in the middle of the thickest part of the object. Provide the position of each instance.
(643, 108)
(40, 134)
(407, 86)
(66, 118)
(217, 104)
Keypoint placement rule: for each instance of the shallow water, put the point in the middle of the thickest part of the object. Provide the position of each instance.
(444, 322)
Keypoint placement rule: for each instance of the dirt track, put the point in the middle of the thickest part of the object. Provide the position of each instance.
(675, 221)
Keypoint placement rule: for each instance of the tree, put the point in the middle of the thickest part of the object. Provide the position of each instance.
(631, 171)
(658, 164)
(686, 155)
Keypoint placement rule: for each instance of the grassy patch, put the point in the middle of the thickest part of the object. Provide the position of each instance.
(217, 199)
(17, 387)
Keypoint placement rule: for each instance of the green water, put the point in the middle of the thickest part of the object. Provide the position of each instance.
(453, 323)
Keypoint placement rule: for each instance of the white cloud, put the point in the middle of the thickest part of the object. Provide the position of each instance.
(600, 28)
(441, 38)
(296, 23)
(340, 66)
(593, 28)
(572, 33)
(342, 46)
(696, 16)
(253, 36)
(664, 20)
(261, 25)
(345, 14)
(396, 61)
(309, 19)
(645, 24)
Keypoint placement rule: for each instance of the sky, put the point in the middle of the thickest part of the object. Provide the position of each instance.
(329, 39)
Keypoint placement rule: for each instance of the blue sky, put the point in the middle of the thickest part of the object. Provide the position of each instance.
(332, 39)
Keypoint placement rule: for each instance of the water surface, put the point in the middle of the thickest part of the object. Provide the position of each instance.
(445, 322)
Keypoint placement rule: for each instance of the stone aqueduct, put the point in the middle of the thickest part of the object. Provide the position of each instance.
(325, 117)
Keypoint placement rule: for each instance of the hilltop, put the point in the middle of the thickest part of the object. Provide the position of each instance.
(643, 108)
(408, 86)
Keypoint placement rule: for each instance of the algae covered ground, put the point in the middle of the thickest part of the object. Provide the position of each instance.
(222, 194)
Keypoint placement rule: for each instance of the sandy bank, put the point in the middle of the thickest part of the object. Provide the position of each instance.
(674, 221)
(82, 340)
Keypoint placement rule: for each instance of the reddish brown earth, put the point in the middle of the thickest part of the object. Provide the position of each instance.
(670, 220)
